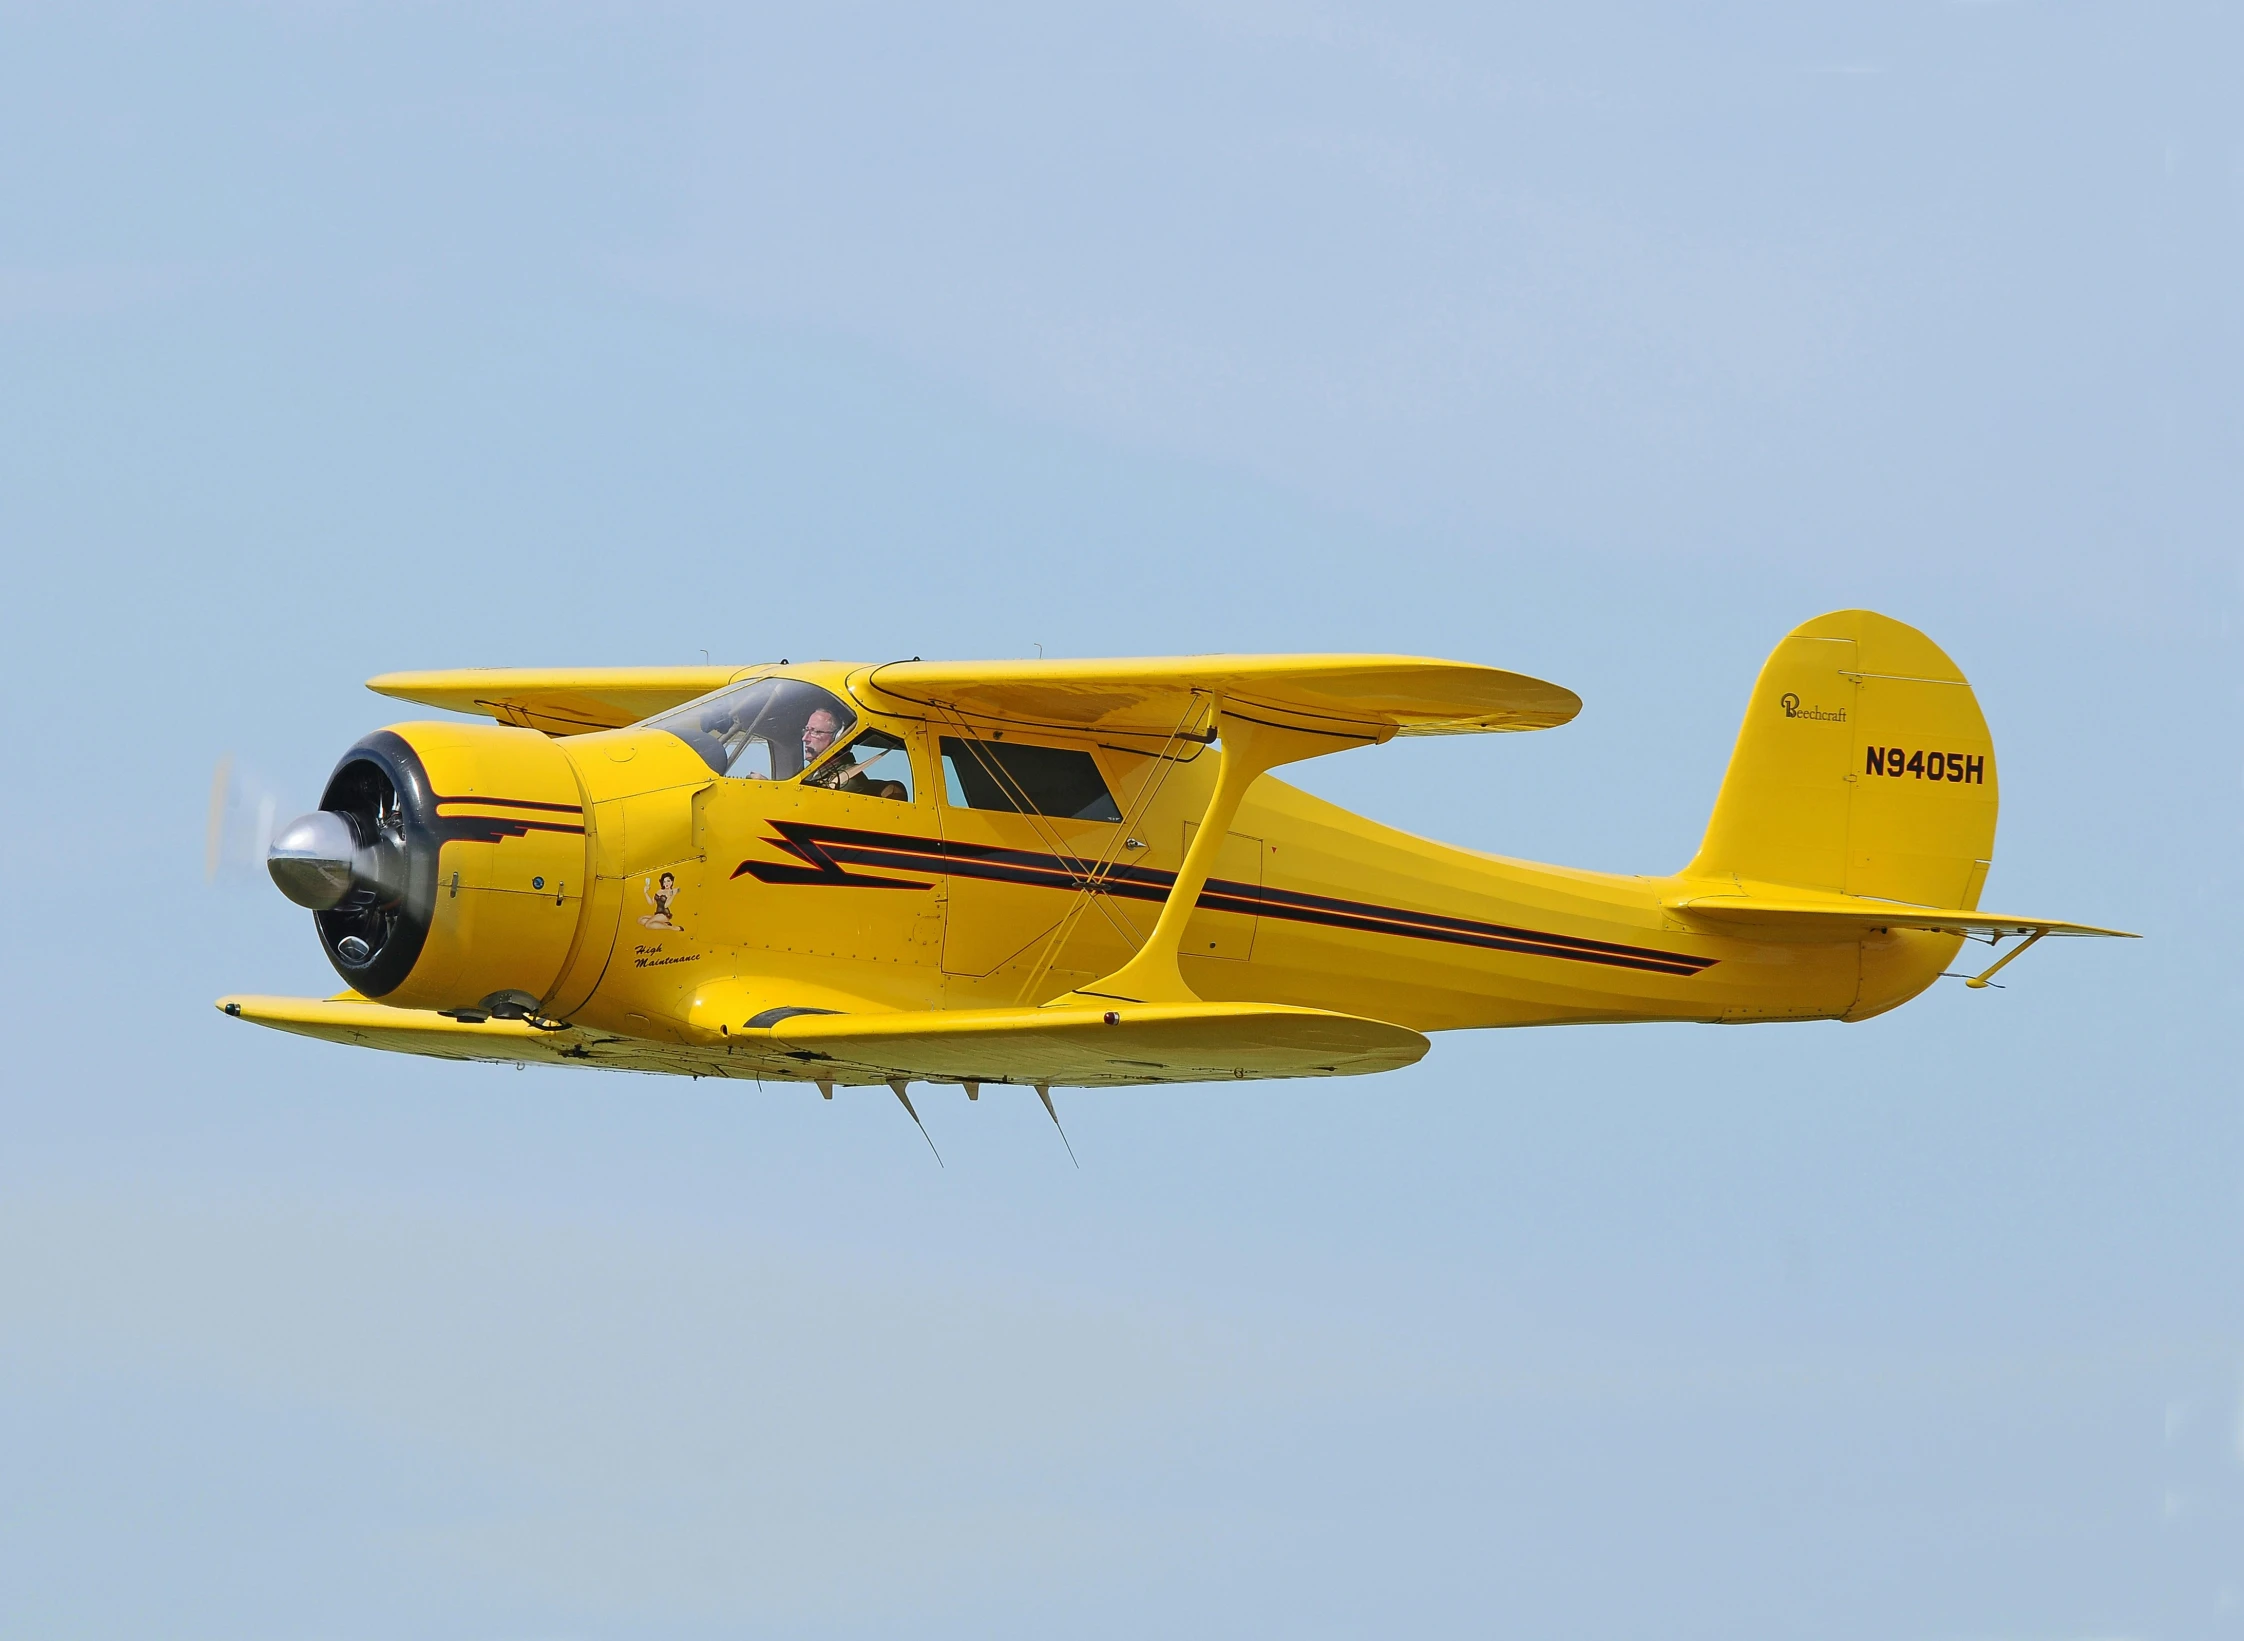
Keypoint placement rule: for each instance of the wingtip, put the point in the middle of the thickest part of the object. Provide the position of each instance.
(397, 685)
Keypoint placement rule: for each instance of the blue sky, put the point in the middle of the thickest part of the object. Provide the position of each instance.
(1601, 342)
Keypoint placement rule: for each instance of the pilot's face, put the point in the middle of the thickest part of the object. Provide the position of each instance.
(818, 735)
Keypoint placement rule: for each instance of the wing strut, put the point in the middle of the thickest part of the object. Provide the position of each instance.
(1249, 747)
(1979, 981)
(1090, 888)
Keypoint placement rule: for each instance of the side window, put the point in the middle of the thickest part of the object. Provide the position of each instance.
(1025, 780)
(875, 765)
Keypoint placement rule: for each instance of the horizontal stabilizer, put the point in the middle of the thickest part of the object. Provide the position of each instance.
(1837, 916)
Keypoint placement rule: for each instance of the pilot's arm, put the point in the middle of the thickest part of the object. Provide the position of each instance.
(837, 773)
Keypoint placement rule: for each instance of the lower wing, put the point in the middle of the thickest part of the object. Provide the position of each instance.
(1064, 1047)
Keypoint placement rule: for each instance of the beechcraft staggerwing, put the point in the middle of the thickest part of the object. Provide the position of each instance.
(1082, 874)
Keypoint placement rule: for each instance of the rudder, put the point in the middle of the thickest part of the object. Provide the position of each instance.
(1863, 767)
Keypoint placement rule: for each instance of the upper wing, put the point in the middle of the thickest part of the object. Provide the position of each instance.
(1065, 1047)
(559, 700)
(1373, 696)
(1840, 915)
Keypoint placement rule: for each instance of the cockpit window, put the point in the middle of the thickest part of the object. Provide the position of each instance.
(1028, 780)
(768, 730)
(875, 765)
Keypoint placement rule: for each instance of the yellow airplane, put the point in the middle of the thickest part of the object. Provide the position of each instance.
(1077, 873)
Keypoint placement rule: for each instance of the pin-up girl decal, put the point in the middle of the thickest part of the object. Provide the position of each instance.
(662, 895)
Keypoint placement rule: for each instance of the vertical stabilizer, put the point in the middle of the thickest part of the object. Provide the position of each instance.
(1863, 767)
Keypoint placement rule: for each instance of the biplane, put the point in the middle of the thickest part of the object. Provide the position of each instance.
(1083, 873)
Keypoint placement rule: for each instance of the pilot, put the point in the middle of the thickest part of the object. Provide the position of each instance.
(845, 773)
(842, 775)
(819, 730)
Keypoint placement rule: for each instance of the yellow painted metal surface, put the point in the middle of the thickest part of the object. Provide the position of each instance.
(1863, 767)
(1191, 1042)
(709, 923)
(1821, 917)
(559, 701)
(1368, 697)
(511, 887)
(1207, 1042)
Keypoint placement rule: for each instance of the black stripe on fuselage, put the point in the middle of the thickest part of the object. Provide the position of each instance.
(492, 828)
(823, 860)
(827, 850)
(1295, 906)
(516, 803)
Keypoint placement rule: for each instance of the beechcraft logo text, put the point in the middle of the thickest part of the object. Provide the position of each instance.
(1793, 709)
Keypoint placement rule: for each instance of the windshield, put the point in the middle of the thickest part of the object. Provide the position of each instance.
(764, 731)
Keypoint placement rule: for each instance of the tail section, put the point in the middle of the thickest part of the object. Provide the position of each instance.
(1863, 767)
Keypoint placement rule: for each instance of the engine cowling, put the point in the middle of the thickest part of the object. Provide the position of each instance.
(446, 867)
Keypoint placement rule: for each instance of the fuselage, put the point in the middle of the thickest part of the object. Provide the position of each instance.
(699, 890)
